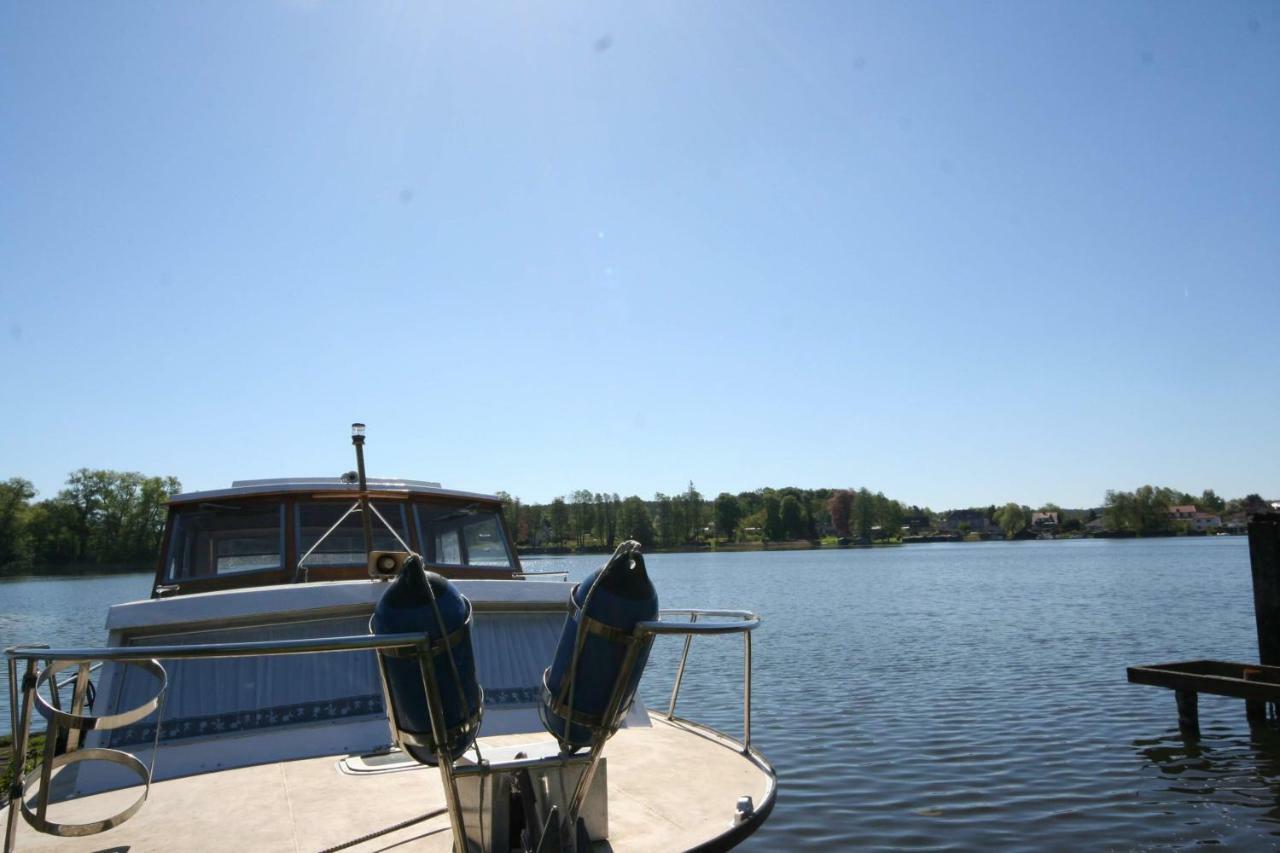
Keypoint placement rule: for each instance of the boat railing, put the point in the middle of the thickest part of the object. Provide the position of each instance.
(563, 574)
(723, 622)
(32, 667)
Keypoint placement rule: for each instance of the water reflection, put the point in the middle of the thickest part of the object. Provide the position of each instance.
(1233, 766)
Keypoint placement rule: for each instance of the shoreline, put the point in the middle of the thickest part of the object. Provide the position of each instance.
(726, 548)
(807, 545)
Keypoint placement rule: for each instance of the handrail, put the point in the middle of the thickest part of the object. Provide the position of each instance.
(70, 679)
(744, 622)
(58, 659)
(353, 643)
(703, 611)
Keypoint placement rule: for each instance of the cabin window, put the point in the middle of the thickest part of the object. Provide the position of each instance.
(345, 546)
(462, 536)
(216, 539)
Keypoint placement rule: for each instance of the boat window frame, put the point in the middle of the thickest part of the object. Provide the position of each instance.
(163, 587)
(173, 527)
(495, 510)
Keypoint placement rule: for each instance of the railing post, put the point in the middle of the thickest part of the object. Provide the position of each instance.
(13, 698)
(746, 692)
(20, 754)
(607, 727)
(78, 692)
(675, 689)
(440, 734)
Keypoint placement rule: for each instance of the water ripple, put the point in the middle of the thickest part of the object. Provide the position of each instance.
(943, 697)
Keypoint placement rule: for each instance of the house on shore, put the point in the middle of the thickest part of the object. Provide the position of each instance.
(1044, 522)
(1194, 519)
(1203, 522)
(968, 521)
(915, 524)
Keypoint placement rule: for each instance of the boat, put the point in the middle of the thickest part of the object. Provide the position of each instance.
(249, 704)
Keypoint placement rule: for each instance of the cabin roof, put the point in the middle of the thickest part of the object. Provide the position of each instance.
(295, 485)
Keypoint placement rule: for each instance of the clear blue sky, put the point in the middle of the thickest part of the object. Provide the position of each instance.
(960, 252)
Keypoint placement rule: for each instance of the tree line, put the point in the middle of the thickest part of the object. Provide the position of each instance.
(589, 519)
(105, 519)
(99, 520)
(1145, 510)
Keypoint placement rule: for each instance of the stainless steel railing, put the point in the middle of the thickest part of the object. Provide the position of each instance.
(24, 699)
(730, 622)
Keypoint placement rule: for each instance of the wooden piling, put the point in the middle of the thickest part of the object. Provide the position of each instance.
(1264, 562)
(1188, 712)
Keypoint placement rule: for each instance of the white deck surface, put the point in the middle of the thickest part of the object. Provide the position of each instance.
(670, 788)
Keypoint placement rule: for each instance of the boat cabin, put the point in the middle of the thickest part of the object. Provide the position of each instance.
(269, 532)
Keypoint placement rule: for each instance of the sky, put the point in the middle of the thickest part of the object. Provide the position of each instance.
(962, 253)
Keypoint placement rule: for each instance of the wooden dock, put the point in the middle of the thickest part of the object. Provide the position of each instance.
(1258, 684)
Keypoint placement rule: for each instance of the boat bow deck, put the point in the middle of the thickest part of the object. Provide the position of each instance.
(671, 786)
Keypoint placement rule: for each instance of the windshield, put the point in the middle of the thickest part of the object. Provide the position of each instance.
(462, 536)
(225, 539)
(345, 545)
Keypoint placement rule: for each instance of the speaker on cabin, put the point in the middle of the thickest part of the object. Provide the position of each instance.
(422, 602)
(385, 565)
(597, 638)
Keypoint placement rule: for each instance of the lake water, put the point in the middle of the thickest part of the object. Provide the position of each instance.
(950, 696)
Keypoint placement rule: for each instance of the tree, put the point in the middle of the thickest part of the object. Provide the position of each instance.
(510, 512)
(49, 524)
(751, 502)
(792, 518)
(892, 518)
(101, 518)
(694, 513)
(15, 536)
(635, 522)
(1254, 504)
(1144, 510)
(83, 495)
(1210, 502)
(864, 513)
(559, 520)
(773, 528)
(840, 505)
(607, 517)
(666, 520)
(583, 515)
(534, 516)
(1013, 519)
(728, 514)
